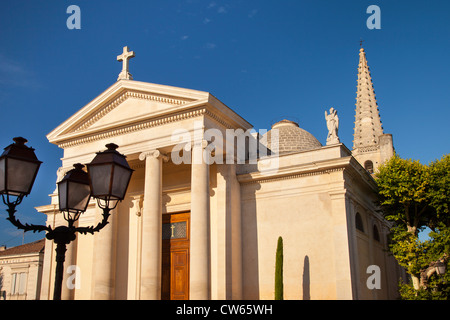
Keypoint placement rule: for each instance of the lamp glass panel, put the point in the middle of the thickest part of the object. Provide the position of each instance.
(440, 269)
(2, 174)
(100, 179)
(62, 195)
(78, 196)
(21, 176)
(120, 182)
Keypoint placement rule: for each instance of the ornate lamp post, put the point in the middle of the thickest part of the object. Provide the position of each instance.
(18, 169)
(109, 176)
(107, 180)
(440, 267)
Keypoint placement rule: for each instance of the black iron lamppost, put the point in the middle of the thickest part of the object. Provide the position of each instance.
(107, 180)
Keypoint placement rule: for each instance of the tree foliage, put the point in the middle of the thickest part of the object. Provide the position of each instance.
(403, 186)
(279, 270)
(439, 191)
(415, 196)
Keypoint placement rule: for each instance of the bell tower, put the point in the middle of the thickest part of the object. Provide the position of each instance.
(371, 146)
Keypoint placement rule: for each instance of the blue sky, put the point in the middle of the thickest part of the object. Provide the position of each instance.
(267, 60)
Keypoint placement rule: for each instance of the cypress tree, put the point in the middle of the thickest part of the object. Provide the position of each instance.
(279, 270)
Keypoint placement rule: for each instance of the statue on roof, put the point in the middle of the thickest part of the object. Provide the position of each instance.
(333, 126)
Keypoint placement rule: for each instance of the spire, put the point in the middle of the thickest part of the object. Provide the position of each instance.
(368, 127)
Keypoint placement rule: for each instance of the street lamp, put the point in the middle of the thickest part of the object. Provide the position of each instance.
(107, 180)
(74, 193)
(109, 176)
(440, 267)
(18, 169)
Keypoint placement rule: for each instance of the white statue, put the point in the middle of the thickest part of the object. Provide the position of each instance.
(333, 126)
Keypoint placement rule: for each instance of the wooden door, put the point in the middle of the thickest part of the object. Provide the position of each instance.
(175, 257)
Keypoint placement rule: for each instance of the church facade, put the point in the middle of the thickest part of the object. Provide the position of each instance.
(209, 199)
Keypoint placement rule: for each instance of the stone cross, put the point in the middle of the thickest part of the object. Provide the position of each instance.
(124, 57)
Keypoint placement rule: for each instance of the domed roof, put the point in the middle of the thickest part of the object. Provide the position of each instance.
(291, 138)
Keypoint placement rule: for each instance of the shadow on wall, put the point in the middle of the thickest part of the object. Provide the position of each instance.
(306, 279)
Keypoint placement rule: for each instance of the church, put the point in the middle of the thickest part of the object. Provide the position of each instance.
(209, 197)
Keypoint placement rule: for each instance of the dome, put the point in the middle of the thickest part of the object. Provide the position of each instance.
(292, 138)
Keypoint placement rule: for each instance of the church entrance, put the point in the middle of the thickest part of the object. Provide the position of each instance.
(175, 256)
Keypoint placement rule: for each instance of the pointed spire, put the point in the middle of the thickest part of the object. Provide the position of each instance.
(368, 127)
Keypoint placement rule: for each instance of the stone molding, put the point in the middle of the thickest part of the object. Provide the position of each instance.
(367, 149)
(153, 153)
(291, 176)
(130, 94)
(145, 125)
(134, 127)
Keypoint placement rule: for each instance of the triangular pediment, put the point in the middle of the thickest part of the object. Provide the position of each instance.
(123, 103)
(129, 105)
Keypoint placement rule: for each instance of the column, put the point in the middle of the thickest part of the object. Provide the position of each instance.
(199, 267)
(151, 226)
(104, 261)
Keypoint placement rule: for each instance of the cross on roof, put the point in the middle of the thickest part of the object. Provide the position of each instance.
(124, 57)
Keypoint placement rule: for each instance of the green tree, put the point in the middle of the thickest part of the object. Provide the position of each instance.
(403, 186)
(279, 270)
(439, 191)
(415, 196)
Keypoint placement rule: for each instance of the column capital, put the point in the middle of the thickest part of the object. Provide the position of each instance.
(153, 153)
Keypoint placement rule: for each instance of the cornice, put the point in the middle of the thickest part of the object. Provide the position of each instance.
(356, 171)
(296, 171)
(149, 123)
(291, 176)
(145, 124)
(219, 119)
